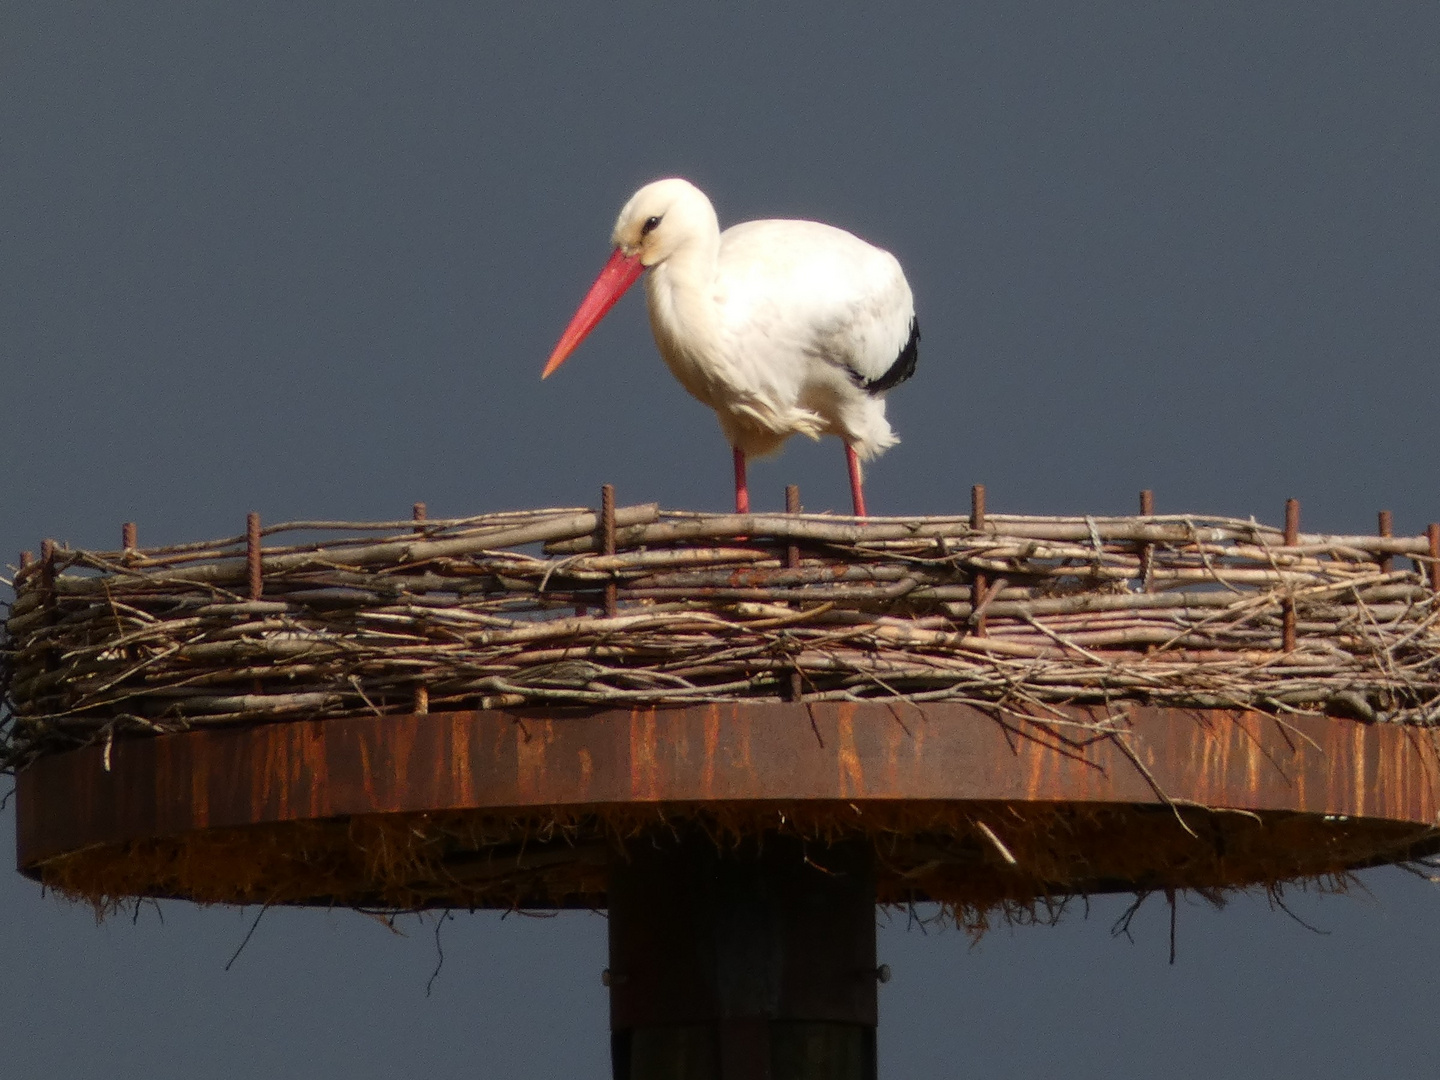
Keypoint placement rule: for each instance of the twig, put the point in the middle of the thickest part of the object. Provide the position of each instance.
(989, 834)
(439, 952)
(248, 935)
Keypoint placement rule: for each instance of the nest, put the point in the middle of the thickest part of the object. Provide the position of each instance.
(641, 607)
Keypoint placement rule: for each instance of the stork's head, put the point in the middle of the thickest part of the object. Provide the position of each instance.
(659, 220)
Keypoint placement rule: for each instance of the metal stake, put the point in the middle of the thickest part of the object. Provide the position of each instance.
(607, 542)
(252, 555)
(1147, 551)
(1287, 608)
(1432, 533)
(422, 692)
(792, 562)
(977, 586)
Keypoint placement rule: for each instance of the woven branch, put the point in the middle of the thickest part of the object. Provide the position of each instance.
(1166, 610)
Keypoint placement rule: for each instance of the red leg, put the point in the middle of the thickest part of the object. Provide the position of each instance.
(857, 495)
(742, 489)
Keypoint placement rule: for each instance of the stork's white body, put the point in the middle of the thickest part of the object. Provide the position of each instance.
(782, 327)
(778, 326)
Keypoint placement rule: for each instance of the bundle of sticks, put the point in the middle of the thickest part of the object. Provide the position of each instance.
(637, 607)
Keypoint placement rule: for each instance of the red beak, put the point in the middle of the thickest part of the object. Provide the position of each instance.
(619, 274)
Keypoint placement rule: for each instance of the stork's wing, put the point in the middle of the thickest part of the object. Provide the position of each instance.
(822, 292)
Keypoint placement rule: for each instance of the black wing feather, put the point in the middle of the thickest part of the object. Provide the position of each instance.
(903, 367)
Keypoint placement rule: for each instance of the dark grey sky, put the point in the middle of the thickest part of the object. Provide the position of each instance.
(310, 262)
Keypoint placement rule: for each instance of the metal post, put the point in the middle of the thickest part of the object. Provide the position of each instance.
(252, 555)
(754, 962)
(607, 542)
(1287, 606)
(421, 702)
(1432, 533)
(978, 585)
(794, 691)
(1147, 551)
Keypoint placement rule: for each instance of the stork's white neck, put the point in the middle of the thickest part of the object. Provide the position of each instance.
(684, 308)
(681, 290)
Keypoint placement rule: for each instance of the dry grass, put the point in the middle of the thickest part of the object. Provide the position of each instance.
(951, 854)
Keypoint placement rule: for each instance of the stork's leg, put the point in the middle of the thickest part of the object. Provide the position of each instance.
(742, 489)
(856, 494)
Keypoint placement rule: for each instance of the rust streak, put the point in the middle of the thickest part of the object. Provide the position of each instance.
(532, 753)
(852, 772)
(712, 750)
(644, 768)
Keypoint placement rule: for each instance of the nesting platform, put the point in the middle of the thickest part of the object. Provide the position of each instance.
(1000, 710)
(522, 808)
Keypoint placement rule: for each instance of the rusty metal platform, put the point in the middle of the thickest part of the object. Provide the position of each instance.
(951, 795)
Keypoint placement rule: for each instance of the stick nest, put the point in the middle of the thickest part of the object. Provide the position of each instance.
(533, 608)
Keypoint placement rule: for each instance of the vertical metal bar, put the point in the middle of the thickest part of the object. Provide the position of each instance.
(1387, 529)
(792, 506)
(794, 690)
(254, 571)
(1287, 606)
(1432, 533)
(128, 536)
(978, 585)
(47, 592)
(47, 568)
(607, 542)
(421, 704)
(252, 555)
(1147, 550)
(47, 581)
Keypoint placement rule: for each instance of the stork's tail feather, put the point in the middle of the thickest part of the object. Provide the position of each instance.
(872, 447)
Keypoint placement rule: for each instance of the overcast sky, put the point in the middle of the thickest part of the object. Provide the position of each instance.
(309, 260)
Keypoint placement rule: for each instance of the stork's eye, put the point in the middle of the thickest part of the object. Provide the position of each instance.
(650, 225)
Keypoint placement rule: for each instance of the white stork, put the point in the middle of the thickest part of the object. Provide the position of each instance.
(781, 327)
